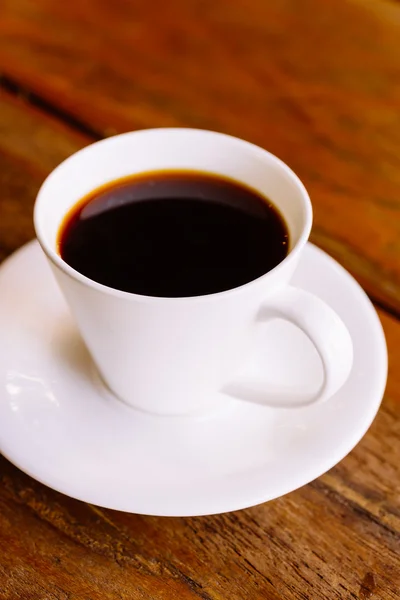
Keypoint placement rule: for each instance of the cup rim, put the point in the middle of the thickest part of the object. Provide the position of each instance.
(56, 259)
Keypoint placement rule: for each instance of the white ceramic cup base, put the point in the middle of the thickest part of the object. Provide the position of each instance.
(57, 426)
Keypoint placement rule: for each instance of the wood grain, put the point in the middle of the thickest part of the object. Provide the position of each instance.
(317, 83)
(336, 538)
(31, 145)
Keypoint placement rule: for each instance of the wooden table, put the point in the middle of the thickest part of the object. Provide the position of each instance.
(316, 82)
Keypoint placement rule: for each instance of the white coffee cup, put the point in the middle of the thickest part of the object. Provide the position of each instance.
(170, 355)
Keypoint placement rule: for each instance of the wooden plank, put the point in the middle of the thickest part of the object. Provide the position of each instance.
(31, 145)
(335, 538)
(317, 83)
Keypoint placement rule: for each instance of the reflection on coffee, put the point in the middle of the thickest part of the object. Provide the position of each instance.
(173, 234)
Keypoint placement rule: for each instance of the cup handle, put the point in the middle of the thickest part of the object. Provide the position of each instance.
(326, 331)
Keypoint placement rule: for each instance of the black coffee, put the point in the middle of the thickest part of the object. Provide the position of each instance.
(173, 234)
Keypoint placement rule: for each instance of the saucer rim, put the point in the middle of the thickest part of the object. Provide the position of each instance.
(250, 497)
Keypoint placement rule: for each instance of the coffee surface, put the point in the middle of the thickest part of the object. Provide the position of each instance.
(173, 234)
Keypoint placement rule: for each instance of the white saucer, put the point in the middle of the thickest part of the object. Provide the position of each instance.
(58, 424)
